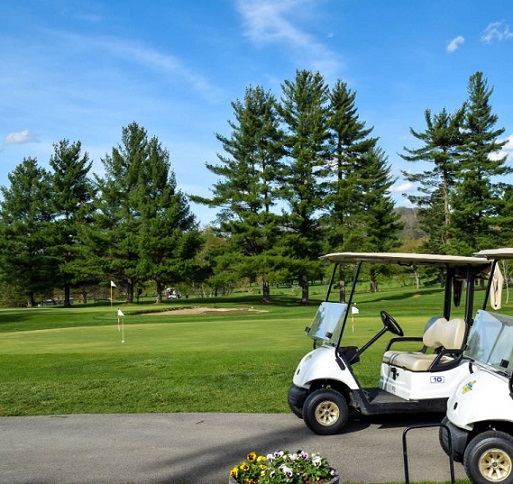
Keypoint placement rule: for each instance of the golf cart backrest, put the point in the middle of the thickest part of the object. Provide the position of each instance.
(445, 334)
(445, 338)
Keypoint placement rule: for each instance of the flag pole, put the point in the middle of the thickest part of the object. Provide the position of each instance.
(112, 286)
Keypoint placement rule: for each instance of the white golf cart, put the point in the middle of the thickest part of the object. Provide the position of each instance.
(480, 411)
(325, 389)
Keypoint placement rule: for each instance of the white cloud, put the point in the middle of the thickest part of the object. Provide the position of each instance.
(455, 43)
(402, 188)
(507, 150)
(272, 22)
(496, 31)
(149, 58)
(24, 136)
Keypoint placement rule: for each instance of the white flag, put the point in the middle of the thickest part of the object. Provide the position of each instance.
(112, 284)
(120, 313)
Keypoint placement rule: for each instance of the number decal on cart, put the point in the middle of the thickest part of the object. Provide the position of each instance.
(437, 379)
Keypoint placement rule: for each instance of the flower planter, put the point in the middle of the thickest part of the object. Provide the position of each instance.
(335, 480)
(283, 466)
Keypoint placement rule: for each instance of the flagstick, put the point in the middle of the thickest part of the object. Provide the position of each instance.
(122, 330)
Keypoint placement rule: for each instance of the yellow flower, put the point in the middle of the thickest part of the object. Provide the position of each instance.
(234, 472)
(244, 467)
(262, 466)
(251, 457)
(261, 458)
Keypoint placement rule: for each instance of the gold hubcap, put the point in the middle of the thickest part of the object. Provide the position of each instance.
(327, 413)
(495, 465)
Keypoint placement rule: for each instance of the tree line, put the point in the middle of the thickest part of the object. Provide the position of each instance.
(298, 176)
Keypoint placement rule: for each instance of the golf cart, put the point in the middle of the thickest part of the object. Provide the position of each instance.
(480, 411)
(325, 390)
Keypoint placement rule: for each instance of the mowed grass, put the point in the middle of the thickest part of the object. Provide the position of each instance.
(65, 361)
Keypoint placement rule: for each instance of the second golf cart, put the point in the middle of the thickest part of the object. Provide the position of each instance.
(326, 391)
(480, 411)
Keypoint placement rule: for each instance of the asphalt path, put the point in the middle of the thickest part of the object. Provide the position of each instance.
(201, 448)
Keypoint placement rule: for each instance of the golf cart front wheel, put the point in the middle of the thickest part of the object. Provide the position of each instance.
(489, 458)
(325, 412)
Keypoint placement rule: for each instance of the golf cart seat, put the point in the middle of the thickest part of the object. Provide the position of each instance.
(444, 338)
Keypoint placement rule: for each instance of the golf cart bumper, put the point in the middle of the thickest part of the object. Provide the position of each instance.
(297, 396)
(458, 437)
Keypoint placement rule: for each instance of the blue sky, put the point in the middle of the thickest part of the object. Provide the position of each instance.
(82, 70)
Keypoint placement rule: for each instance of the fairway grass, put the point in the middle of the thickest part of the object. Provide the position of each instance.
(66, 361)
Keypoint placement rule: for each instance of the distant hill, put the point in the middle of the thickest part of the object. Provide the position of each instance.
(410, 221)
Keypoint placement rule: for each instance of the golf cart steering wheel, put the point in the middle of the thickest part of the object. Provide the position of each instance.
(391, 324)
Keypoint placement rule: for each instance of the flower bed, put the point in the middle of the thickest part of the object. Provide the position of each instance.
(284, 467)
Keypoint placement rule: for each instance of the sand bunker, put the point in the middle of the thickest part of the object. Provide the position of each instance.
(201, 310)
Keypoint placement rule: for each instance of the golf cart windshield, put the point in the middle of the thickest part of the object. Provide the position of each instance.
(327, 323)
(491, 341)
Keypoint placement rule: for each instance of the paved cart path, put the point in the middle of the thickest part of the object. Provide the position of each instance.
(201, 448)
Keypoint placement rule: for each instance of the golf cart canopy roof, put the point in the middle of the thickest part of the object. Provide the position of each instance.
(493, 254)
(407, 259)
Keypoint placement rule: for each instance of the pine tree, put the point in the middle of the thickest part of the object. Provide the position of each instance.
(72, 205)
(168, 239)
(247, 189)
(349, 142)
(117, 220)
(375, 226)
(478, 194)
(442, 144)
(25, 217)
(305, 114)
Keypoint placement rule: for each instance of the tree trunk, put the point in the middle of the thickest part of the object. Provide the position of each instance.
(30, 299)
(266, 291)
(160, 288)
(304, 288)
(130, 292)
(342, 284)
(373, 282)
(67, 296)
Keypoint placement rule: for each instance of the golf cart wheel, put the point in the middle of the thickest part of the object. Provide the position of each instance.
(489, 458)
(325, 412)
(444, 443)
(292, 401)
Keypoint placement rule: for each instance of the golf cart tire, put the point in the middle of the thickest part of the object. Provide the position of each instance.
(325, 411)
(444, 443)
(292, 401)
(489, 458)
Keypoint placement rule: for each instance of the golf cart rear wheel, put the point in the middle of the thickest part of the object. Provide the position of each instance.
(325, 411)
(489, 458)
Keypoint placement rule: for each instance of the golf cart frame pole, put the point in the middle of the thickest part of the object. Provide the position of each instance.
(350, 300)
(448, 292)
(489, 283)
(330, 285)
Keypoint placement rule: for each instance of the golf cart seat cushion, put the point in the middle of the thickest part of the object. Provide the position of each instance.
(445, 334)
(438, 334)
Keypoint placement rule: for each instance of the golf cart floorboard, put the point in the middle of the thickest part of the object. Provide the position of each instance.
(374, 401)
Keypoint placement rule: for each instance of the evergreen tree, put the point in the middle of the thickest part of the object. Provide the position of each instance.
(375, 226)
(117, 220)
(246, 191)
(442, 143)
(25, 216)
(349, 142)
(72, 205)
(304, 112)
(477, 201)
(168, 239)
